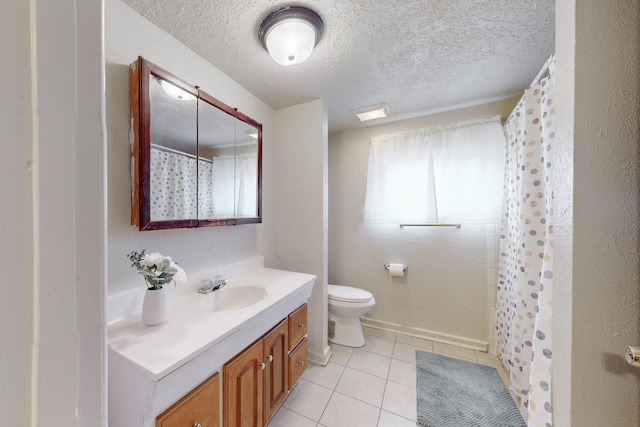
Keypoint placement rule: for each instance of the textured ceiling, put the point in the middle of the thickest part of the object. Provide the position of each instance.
(416, 55)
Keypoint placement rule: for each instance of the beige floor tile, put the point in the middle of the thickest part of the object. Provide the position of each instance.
(326, 376)
(406, 352)
(400, 400)
(377, 345)
(362, 386)
(379, 333)
(287, 418)
(387, 419)
(308, 399)
(454, 351)
(416, 342)
(340, 354)
(370, 363)
(402, 373)
(345, 411)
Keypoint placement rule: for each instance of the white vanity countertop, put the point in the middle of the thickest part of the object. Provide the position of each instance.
(191, 328)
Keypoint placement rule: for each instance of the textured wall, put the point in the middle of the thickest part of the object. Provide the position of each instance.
(301, 208)
(16, 244)
(445, 293)
(127, 35)
(597, 296)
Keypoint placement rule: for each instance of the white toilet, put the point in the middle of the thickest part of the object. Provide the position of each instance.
(346, 305)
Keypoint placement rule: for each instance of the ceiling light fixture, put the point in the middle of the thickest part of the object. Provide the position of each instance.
(175, 92)
(374, 112)
(290, 34)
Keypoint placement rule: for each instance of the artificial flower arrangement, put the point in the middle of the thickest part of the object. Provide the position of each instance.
(157, 269)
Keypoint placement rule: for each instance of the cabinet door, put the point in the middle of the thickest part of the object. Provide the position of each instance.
(297, 363)
(275, 380)
(199, 407)
(243, 388)
(297, 325)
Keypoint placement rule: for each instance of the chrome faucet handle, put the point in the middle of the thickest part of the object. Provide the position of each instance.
(206, 286)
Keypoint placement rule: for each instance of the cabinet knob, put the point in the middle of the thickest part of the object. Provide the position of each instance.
(197, 424)
(300, 325)
(301, 362)
(263, 365)
(270, 358)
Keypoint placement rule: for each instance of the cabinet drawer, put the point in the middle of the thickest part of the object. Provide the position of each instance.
(297, 326)
(202, 405)
(297, 363)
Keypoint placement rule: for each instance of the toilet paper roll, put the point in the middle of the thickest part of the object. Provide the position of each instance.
(396, 270)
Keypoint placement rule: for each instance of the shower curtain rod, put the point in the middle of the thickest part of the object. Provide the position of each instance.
(430, 225)
(182, 153)
(544, 71)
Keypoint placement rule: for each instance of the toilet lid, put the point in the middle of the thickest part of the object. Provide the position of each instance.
(348, 294)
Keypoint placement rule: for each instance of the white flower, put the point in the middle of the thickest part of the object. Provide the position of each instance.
(153, 260)
(180, 276)
(157, 269)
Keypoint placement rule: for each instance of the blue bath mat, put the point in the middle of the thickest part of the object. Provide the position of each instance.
(456, 393)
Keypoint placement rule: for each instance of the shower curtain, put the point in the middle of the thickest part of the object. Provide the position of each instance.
(173, 185)
(525, 268)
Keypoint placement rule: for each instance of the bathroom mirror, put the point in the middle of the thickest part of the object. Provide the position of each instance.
(196, 161)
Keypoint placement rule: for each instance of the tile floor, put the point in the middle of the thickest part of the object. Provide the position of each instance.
(371, 386)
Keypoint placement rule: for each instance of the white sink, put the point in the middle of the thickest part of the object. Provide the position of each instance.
(233, 298)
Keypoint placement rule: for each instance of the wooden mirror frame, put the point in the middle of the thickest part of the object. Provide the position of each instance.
(140, 149)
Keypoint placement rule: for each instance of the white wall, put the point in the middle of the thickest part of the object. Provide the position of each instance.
(596, 310)
(128, 35)
(445, 294)
(300, 233)
(16, 243)
(52, 245)
(596, 290)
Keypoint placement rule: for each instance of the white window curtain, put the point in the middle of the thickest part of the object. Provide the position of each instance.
(222, 189)
(448, 174)
(400, 179)
(246, 188)
(234, 190)
(468, 165)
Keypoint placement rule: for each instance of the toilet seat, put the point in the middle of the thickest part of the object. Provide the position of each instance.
(348, 294)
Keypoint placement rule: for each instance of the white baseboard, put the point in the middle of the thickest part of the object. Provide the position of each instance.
(320, 358)
(425, 334)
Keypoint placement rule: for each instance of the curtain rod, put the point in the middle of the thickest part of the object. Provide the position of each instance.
(171, 150)
(430, 225)
(544, 71)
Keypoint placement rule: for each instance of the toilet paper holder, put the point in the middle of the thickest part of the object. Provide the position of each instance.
(633, 355)
(404, 267)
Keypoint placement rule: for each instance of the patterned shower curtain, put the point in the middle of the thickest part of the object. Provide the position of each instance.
(173, 186)
(525, 270)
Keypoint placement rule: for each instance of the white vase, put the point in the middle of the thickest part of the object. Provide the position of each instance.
(154, 307)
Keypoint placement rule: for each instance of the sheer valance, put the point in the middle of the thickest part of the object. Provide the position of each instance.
(450, 174)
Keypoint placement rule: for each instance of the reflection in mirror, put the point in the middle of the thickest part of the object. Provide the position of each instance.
(174, 144)
(246, 170)
(216, 153)
(195, 161)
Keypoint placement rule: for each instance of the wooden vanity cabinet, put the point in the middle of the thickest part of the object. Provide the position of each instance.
(297, 326)
(276, 385)
(243, 388)
(201, 407)
(297, 345)
(257, 381)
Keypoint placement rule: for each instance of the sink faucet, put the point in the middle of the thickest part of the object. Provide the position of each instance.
(208, 286)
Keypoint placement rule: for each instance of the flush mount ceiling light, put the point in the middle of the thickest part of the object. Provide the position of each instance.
(175, 92)
(374, 112)
(290, 34)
